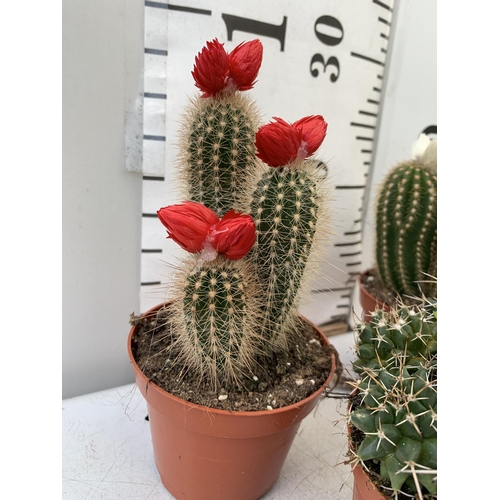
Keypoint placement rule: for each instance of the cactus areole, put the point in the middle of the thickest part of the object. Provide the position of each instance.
(229, 357)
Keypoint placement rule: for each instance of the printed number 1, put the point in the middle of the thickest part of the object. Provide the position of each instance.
(235, 23)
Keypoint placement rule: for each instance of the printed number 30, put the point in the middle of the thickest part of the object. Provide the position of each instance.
(330, 40)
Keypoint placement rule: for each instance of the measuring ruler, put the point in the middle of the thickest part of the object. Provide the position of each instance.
(320, 57)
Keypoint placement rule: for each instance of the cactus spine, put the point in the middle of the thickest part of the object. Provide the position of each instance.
(286, 207)
(406, 230)
(216, 308)
(218, 151)
(397, 412)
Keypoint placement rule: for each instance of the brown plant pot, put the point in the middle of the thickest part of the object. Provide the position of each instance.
(363, 488)
(368, 302)
(203, 453)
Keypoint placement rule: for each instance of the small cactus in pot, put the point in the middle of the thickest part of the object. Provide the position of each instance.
(406, 227)
(393, 409)
(253, 203)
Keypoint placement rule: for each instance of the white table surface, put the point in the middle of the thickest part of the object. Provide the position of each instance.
(108, 455)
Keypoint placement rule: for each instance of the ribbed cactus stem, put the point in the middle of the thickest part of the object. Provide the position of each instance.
(406, 233)
(286, 205)
(397, 413)
(218, 151)
(216, 320)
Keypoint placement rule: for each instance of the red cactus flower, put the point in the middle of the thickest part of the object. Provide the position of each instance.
(216, 71)
(277, 143)
(244, 63)
(280, 143)
(313, 131)
(188, 224)
(197, 229)
(211, 69)
(234, 235)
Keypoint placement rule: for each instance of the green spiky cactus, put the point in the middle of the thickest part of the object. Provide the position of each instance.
(220, 339)
(406, 230)
(216, 316)
(287, 205)
(396, 410)
(218, 161)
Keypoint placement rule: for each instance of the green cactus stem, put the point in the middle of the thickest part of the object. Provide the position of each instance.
(397, 411)
(406, 230)
(287, 205)
(218, 163)
(216, 309)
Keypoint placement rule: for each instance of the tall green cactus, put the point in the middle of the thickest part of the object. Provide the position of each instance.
(406, 230)
(227, 311)
(218, 161)
(397, 386)
(216, 308)
(286, 207)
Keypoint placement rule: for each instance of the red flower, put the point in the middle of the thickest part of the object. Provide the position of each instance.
(244, 63)
(313, 131)
(215, 70)
(188, 224)
(234, 235)
(196, 229)
(211, 69)
(279, 143)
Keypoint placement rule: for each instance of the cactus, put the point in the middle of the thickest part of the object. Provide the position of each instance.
(396, 405)
(218, 151)
(406, 229)
(224, 323)
(216, 320)
(286, 207)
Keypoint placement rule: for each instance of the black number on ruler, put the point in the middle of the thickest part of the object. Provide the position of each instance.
(235, 23)
(332, 61)
(332, 23)
(330, 40)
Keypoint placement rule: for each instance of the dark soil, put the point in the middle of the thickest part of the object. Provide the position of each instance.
(281, 381)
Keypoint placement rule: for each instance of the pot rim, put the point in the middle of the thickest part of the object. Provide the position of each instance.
(363, 291)
(217, 411)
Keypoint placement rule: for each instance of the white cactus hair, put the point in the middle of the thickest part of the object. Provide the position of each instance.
(240, 363)
(239, 103)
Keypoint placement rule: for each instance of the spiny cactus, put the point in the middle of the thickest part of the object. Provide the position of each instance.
(406, 230)
(216, 319)
(286, 206)
(217, 160)
(230, 308)
(397, 390)
(219, 154)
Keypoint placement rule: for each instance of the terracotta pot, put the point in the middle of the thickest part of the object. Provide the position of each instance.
(368, 302)
(205, 454)
(363, 488)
